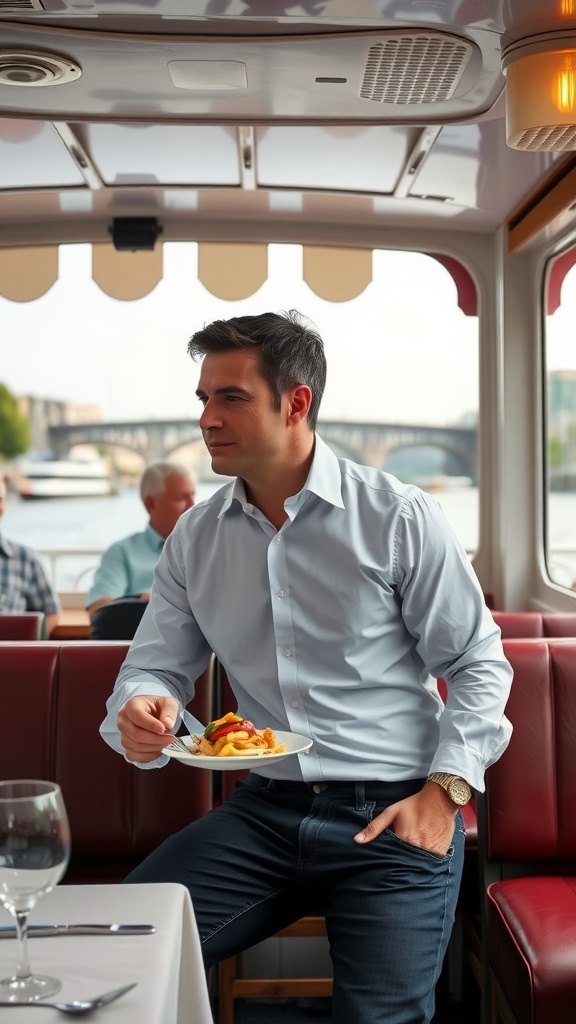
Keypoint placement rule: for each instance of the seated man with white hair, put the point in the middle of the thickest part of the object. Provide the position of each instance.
(127, 567)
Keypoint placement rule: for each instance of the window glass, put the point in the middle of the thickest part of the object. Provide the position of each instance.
(402, 391)
(560, 369)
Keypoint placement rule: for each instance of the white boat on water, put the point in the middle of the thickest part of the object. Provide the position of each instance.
(73, 477)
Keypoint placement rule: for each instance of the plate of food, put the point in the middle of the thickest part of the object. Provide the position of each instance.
(232, 743)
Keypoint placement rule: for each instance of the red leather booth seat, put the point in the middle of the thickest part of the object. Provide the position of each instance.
(532, 924)
(53, 699)
(529, 845)
(21, 625)
(517, 625)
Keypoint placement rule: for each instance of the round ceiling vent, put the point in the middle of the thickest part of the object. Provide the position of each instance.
(35, 69)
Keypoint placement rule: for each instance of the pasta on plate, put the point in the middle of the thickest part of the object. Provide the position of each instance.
(234, 736)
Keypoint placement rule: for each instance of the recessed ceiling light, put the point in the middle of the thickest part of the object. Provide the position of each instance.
(29, 68)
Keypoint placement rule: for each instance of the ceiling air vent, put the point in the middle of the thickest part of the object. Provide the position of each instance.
(35, 69)
(17, 6)
(415, 67)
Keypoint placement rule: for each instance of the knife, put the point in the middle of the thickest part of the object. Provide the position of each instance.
(45, 930)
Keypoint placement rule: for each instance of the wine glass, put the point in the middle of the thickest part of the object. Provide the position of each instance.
(34, 854)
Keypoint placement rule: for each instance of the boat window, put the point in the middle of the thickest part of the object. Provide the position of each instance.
(402, 349)
(560, 420)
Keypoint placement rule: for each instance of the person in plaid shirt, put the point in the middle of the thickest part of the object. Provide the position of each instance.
(24, 586)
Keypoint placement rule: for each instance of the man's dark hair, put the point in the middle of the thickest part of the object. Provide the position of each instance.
(290, 351)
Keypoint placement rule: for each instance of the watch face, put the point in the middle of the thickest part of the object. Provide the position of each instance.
(459, 791)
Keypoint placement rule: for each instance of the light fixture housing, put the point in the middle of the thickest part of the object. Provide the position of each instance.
(541, 92)
(30, 68)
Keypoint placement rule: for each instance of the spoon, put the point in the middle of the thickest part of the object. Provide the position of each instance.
(81, 1005)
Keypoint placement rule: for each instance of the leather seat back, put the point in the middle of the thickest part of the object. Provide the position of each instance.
(530, 790)
(53, 698)
(21, 625)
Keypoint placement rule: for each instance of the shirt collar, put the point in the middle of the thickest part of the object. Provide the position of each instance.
(324, 480)
(154, 537)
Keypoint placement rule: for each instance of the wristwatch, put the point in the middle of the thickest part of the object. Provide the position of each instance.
(458, 789)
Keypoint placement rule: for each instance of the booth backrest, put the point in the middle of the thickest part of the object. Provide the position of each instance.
(21, 625)
(53, 699)
(519, 625)
(529, 804)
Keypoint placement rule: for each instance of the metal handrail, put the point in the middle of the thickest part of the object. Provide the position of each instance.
(55, 555)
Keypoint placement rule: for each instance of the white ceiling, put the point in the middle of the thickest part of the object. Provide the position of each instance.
(211, 117)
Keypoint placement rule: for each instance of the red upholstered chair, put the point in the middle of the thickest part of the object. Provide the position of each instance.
(527, 842)
(21, 625)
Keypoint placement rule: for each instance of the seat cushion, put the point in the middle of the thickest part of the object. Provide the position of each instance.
(532, 946)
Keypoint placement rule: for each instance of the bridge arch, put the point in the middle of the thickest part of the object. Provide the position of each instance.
(367, 443)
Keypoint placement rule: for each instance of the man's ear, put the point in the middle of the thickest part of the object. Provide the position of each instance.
(148, 502)
(299, 400)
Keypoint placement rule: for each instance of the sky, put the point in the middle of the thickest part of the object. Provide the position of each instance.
(402, 351)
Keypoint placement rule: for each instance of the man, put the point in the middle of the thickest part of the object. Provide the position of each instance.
(127, 567)
(333, 595)
(24, 586)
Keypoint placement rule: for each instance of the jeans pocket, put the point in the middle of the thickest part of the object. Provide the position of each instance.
(421, 851)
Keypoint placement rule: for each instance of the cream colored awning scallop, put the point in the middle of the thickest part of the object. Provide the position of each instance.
(28, 273)
(229, 270)
(126, 275)
(232, 271)
(337, 275)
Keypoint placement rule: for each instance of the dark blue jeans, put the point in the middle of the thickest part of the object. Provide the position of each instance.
(277, 850)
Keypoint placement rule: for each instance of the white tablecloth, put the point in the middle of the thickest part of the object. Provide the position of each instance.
(167, 964)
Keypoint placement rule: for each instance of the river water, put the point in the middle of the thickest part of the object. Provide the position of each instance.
(91, 524)
(78, 524)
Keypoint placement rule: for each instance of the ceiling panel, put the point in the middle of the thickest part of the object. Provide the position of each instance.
(32, 155)
(251, 79)
(358, 159)
(170, 154)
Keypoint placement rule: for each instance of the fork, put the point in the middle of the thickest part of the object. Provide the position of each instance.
(179, 744)
(79, 1006)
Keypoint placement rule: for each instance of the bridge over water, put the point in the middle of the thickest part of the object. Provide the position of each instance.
(368, 443)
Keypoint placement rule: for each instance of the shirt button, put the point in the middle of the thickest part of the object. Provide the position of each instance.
(277, 539)
(287, 653)
(295, 704)
(280, 593)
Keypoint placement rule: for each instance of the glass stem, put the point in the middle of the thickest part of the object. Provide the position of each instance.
(22, 965)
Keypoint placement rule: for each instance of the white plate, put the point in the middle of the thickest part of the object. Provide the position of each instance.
(294, 745)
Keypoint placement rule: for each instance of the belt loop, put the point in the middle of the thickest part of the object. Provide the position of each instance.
(360, 794)
(271, 787)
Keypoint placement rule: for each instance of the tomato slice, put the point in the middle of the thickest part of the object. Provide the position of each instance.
(223, 730)
(225, 720)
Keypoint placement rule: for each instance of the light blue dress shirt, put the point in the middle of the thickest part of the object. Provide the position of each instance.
(127, 566)
(333, 627)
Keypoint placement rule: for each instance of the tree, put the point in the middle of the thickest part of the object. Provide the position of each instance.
(14, 429)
